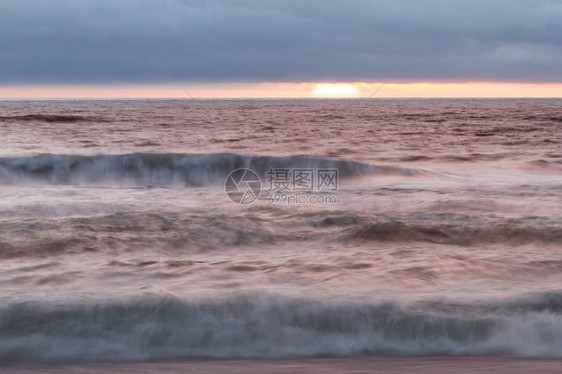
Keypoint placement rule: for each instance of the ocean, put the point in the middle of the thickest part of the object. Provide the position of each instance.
(158, 230)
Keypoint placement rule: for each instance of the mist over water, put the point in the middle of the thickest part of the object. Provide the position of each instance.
(119, 242)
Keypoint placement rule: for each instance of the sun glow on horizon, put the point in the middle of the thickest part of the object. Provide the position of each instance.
(287, 90)
(336, 90)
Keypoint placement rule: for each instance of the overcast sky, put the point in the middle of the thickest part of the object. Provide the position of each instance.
(65, 42)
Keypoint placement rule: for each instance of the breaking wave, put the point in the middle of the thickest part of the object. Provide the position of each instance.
(148, 169)
(147, 329)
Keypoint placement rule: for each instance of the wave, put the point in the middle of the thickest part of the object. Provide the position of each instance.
(474, 157)
(173, 233)
(276, 327)
(454, 234)
(149, 169)
(50, 118)
(153, 232)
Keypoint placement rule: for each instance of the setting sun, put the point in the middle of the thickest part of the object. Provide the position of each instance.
(335, 90)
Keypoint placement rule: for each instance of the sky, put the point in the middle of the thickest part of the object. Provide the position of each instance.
(257, 48)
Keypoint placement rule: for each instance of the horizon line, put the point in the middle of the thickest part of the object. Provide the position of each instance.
(285, 90)
(286, 98)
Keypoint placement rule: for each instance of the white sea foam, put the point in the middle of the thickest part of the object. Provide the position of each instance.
(276, 327)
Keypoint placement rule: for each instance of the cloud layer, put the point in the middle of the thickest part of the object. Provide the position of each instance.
(105, 41)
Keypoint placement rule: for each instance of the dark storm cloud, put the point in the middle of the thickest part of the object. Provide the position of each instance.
(110, 41)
